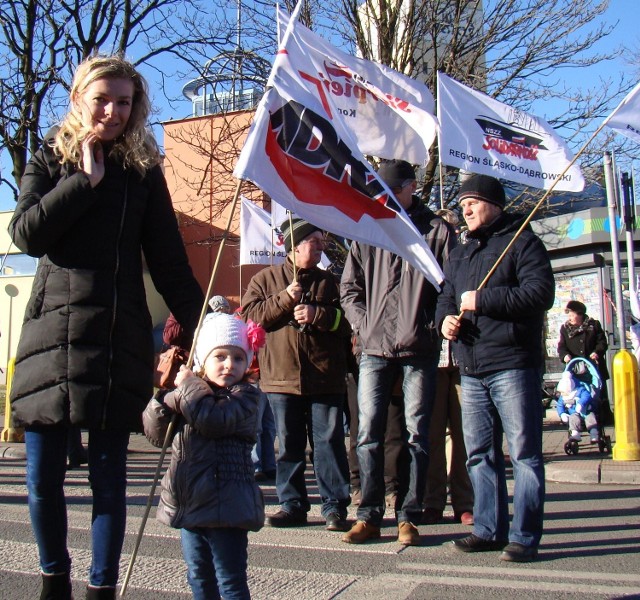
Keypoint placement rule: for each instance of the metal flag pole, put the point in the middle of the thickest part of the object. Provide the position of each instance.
(169, 435)
(626, 399)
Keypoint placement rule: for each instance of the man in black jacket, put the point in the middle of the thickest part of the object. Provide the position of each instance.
(497, 343)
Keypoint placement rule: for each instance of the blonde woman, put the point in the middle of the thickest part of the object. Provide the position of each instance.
(93, 202)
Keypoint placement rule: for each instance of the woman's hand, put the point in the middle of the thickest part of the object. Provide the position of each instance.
(93, 159)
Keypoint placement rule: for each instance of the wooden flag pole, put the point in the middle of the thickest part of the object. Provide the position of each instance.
(169, 435)
(293, 257)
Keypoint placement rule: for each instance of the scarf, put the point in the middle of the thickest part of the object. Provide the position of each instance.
(573, 330)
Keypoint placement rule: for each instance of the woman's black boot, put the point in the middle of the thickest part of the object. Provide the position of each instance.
(56, 586)
(101, 593)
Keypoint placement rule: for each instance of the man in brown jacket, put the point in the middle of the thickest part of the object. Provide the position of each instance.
(303, 372)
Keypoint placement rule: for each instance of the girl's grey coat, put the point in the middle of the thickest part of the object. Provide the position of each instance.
(210, 480)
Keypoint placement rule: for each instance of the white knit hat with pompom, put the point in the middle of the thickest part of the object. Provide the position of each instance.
(220, 329)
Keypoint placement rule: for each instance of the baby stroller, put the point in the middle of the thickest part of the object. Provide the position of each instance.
(585, 372)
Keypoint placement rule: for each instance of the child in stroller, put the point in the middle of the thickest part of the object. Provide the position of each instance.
(578, 403)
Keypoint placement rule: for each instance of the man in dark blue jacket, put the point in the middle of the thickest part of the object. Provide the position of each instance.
(498, 344)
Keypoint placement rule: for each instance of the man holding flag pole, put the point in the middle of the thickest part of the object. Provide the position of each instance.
(496, 327)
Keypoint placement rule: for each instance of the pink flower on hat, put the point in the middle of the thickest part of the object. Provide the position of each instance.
(220, 329)
(256, 335)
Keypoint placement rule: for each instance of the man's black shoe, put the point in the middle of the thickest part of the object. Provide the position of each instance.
(286, 519)
(337, 523)
(515, 552)
(473, 543)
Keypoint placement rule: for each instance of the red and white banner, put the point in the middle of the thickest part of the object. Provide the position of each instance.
(387, 114)
(302, 153)
(259, 243)
(625, 119)
(482, 135)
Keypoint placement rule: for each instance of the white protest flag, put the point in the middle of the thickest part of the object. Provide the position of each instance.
(301, 152)
(482, 135)
(389, 114)
(257, 244)
(625, 119)
(278, 214)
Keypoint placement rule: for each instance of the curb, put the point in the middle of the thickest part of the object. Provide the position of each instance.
(578, 471)
(16, 452)
(603, 470)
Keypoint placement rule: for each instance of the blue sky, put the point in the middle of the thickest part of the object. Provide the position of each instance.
(626, 32)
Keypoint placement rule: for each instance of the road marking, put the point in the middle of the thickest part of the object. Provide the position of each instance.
(529, 572)
(169, 574)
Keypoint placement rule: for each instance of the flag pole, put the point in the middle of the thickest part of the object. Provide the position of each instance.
(535, 209)
(441, 184)
(169, 435)
(293, 257)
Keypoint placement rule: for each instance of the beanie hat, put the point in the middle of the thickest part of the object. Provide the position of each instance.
(220, 329)
(301, 229)
(219, 304)
(396, 173)
(566, 383)
(576, 306)
(484, 188)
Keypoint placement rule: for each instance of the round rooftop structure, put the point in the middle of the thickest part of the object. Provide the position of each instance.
(231, 81)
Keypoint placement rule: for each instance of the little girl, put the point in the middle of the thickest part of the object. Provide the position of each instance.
(209, 490)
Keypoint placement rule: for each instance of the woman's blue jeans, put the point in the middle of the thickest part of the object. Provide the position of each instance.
(216, 560)
(46, 467)
(506, 402)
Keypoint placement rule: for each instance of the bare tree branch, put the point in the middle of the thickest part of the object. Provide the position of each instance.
(43, 40)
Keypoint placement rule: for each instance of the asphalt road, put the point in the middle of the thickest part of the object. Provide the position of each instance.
(591, 548)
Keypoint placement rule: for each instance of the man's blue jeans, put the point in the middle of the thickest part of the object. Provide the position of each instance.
(324, 413)
(216, 560)
(375, 385)
(46, 468)
(505, 401)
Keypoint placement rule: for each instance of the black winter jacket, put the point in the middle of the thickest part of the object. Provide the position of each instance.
(582, 341)
(85, 354)
(389, 303)
(505, 330)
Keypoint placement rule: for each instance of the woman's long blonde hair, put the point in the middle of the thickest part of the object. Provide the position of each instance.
(137, 147)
